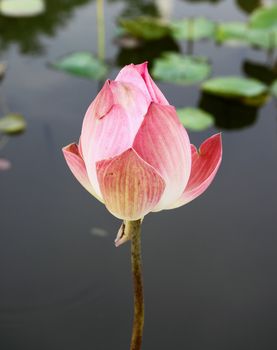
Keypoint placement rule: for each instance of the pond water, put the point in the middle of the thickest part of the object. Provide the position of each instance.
(209, 267)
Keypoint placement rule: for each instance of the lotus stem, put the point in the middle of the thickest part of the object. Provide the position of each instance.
(100, 29)
(138, 318)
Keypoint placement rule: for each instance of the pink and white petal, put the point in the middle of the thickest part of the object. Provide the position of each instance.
(130, 75)
(163, 143)
(5, 164)
(155, 93)
(131, 188)
(99, 107)
(133, 100)
(78, 168)
(110, 136)
(205, 164)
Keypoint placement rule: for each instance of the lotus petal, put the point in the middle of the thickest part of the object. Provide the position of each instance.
(134, 101)
(131, 188)
(78, 168)
(163, 143)
(110, 136)
(205, 164)
(155, 93)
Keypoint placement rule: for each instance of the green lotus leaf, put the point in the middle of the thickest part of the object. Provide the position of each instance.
(234, 32)
(262, 38)
(21, 8)
(264, 18)
(144, 27)
(83, 64)
(12, 124)
(179, 69)
(248, 91)
(195, 119)
(193, 29)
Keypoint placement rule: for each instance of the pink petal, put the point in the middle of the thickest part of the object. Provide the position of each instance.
(78, 168)
(205, 164)
(130, 75)
(133, 100)
(4, 164)
(109, 137)
(131, 188)
(163, 143)
(100, 106)
(155, 93)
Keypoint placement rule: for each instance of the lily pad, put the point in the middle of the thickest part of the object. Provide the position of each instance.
(4, 164)
(83, 64)
(248, 91)
(12, 124)
(179, 69)
(193, 29)
(262, 38)
(144, 27)
(274, 89)
(232, 32)
(241, 34)
(195, 119)
(264, 18)
(22, 8)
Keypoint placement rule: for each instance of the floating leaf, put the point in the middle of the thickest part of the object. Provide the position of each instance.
(179, 69)
(144, 27)
(193, 28)
(83, 64)
(195, 119)
(22, 8)
(4, 164)
(241, 34)
(262, 39)
(12, 124)
(264, 18)
(233, 32)
(249, 91)
(274, 89)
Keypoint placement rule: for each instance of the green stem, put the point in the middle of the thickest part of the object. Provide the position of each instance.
(100, 29)
(190, 43)
(138, 320)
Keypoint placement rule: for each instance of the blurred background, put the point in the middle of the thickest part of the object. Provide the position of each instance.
(209, 267)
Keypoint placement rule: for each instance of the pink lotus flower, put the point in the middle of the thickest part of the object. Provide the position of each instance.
(134, 155)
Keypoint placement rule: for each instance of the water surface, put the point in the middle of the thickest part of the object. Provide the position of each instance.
(210, 267)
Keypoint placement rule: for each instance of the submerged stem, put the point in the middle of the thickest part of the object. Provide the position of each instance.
(138, 321)
(100, 29)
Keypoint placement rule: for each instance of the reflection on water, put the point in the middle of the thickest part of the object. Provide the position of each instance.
(134, 8)
(249, 6)
(228, 114)
(210, 267)
(27, 32)
(146, 51)
(260, 71)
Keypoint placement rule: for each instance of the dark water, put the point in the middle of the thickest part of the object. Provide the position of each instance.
(210, 267)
